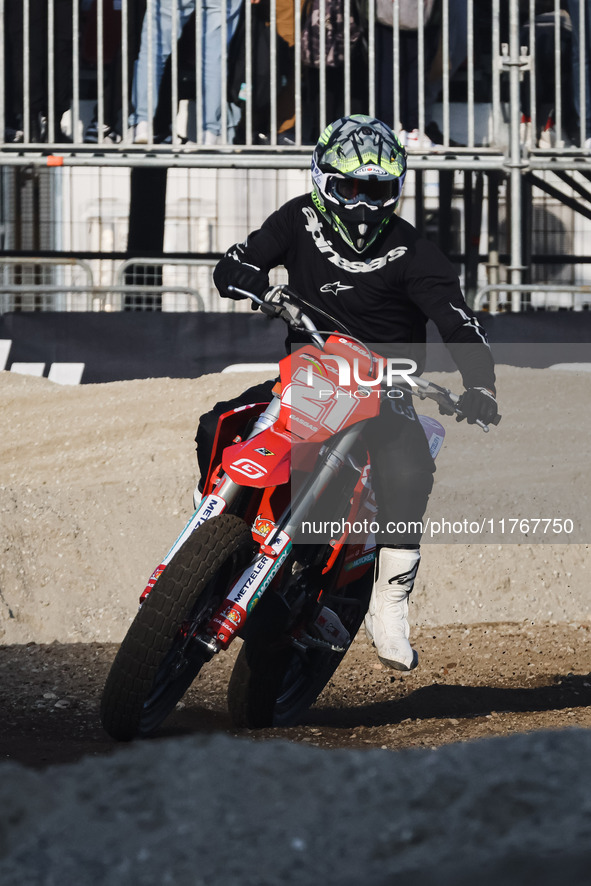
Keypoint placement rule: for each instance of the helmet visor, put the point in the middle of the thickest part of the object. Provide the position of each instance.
(358, 190)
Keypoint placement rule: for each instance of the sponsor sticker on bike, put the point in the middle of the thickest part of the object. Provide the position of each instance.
(228, 620)
(249, 468)
(210, 506)
(262, 525)
(360, 561)
(277, 541)
(152, 581)
(249, 587)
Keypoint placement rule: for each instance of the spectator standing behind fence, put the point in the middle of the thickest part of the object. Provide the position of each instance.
(39, 80)
(112, 56)
(334, 60)
(457, 51)
(285, 10)
(161, 12)
(258, 92)
(408, 66)
(574, 8)
(213, 107)
(545, 32)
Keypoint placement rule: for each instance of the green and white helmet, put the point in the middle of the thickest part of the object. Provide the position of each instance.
(358, 170)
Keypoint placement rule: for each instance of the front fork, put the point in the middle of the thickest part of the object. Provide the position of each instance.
(252, 583)
(247, 589)
(332, 460)
(225, 494)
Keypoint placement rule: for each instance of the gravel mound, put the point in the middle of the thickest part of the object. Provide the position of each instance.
(213, 810)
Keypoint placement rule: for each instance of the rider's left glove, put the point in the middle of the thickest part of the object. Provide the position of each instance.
(477, 404)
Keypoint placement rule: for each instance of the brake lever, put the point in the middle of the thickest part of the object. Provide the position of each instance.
(270, 309)
(245, 293)
(446, 400)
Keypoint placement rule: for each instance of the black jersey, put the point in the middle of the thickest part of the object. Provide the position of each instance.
(385, 295)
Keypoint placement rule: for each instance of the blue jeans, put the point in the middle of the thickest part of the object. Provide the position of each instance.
(161, 16)
(161, 13)
(573, 8)
(212, 64)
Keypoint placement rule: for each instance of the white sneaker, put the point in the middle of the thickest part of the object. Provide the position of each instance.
(525, 131)
(386, 622)
(547, 137)
(211, 138)
(140, 135)
(419, 141)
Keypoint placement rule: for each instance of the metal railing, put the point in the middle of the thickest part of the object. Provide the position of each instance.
(26, 281)
(139, 284)
(52, 297)
(82, 77)
(522, 297)
(501, 80)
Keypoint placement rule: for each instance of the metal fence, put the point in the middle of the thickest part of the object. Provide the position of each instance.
(491, 98)
(138, 284)
(110, 74)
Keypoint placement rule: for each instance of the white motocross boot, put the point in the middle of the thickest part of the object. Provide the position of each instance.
(386, 622)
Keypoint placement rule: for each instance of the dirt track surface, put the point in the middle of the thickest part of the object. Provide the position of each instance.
(95, 484)
(476, 682)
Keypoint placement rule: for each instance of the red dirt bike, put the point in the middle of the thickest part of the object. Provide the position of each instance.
(241, 567)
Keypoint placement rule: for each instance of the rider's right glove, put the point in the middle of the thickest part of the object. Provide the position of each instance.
(477, 404)
(230, 272)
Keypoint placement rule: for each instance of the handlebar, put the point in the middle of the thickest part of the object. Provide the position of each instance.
(445, 399)
(276, 302)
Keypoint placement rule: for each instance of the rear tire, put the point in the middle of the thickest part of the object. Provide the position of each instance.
(157, 660)
(273, 683)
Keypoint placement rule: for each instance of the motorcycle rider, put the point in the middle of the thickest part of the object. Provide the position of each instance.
(351, 257)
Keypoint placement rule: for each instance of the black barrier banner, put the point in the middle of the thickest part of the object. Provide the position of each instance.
(134, 345)
(118, 347)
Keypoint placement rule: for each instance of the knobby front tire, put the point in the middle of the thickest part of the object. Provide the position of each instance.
(158, 661)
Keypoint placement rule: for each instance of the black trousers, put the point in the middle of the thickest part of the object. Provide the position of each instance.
(402, 467)
(38, 71)
(409, 69)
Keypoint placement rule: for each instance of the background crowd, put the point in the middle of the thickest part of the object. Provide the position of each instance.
(152, 29)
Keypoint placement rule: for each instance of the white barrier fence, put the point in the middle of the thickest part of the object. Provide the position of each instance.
(172, 285)
(139, 284)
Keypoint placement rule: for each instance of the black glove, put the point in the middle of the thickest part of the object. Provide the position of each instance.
(477, 404)
(229, 272)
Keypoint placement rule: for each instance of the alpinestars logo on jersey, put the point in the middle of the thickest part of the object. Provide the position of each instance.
(334, 288)
(314, 226)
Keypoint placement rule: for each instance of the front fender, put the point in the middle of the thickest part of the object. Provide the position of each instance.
(264, 460)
